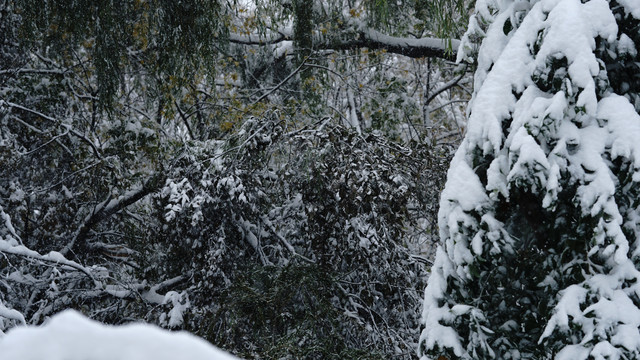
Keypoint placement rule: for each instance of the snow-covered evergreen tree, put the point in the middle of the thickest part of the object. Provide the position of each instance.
(540, 217)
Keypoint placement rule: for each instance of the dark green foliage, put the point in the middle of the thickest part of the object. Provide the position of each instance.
(446, 18)
(170, 39)
(275, 312)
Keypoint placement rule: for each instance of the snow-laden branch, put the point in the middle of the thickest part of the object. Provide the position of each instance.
(11, 314)
(6, 219)
(139, 291)
(33, 71)
(364, 37)
(413, 48)
(128, 291)
(9, 247)
(284, 241)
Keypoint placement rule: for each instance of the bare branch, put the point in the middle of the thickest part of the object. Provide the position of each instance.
(53, 120)
(185, 119)
(271, 91)
(446, 86)
(109, 207)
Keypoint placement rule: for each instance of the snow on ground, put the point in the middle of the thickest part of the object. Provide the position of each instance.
(71, 336)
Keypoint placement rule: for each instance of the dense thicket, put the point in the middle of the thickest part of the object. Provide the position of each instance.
(311, 248)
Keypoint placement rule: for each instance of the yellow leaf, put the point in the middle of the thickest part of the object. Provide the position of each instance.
(226, 126)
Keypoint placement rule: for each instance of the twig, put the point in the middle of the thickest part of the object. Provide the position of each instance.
(282, 82)
(283, 240)
(447, 86)
(49, 118)
(185, 120)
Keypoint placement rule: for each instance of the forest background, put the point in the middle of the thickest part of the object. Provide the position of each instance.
(262, 174)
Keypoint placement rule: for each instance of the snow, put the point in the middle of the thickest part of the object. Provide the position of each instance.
(531, 159)
(180, 303)
(71, 336)
(400, 42)
(11, 247)
(573, 352)
(494, 101)
(432, 314)
(631, 6)
(536, 116)
(623, 124)
(469, 192)
(10, 314)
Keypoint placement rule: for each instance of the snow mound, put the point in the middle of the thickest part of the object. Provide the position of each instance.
(71, 336)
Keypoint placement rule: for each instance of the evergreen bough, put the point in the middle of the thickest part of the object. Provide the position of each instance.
(540, 217)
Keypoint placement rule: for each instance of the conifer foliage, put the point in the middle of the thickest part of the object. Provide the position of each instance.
(540, 217)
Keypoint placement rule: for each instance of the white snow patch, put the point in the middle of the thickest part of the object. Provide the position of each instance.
(632, 7)
(71, 336)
